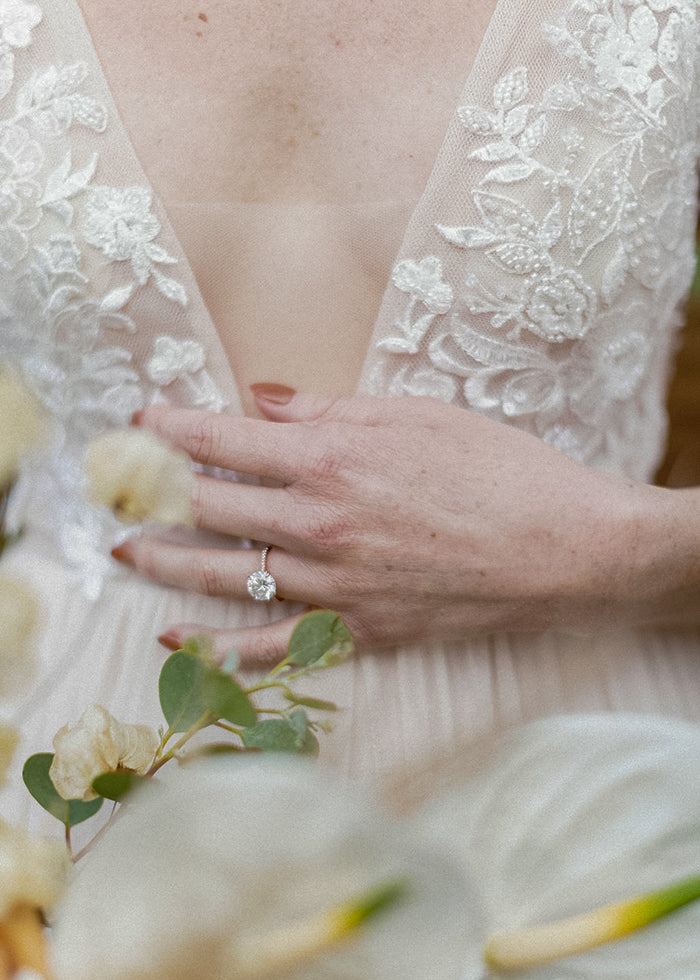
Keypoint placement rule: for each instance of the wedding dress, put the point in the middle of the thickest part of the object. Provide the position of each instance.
(539, 281)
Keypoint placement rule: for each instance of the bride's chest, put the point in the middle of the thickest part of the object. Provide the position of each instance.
(295, 101)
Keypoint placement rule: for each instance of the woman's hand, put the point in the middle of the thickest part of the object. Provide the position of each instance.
(410, 518)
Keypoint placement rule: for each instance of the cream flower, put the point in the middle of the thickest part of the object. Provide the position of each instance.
(98, 743)
(139, 477)
(22, 424)
(33, 870)
(19, 615)
(208, 871)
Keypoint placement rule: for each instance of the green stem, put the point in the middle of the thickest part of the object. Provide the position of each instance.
(202, 722)
(227, 728)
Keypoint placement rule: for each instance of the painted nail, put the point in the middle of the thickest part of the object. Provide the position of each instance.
(137, 417)
(170, 640)
(271, 392)
(122, 552)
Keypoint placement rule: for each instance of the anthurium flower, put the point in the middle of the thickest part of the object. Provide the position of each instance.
(139, 477)
(98, 743)
(19, 615)
(582, 832)
(261, 867)
(22, 424)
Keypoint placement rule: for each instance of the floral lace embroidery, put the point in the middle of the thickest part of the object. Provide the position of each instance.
(67, 338)
(585, 200)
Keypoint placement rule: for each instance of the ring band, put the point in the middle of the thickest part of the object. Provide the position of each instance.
(261, 585)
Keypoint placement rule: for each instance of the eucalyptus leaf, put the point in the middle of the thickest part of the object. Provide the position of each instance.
(116, 785)
(225, 698)
(37, 780)
(320, 637)
(181, 690)
(199, 646)
(282, 735)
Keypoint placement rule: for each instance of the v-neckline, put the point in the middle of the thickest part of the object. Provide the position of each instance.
(209, 327)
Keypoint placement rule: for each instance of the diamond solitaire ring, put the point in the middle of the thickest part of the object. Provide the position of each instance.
(261, 585)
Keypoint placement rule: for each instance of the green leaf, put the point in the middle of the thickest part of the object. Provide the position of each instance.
(310, 702)
(225, 698)
(37, 780)
(199, 646)
(321, 638)
(282, 735)
(116, 785)
(180, 688)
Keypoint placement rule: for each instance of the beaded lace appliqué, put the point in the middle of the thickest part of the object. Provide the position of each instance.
(585, 200)
(55, 225)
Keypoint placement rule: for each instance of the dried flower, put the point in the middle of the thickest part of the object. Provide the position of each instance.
(22, 424)
(33, 870)
(98, 743)
(19, 615)
(139, 477)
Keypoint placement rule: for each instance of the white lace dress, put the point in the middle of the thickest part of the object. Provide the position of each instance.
(539, 282)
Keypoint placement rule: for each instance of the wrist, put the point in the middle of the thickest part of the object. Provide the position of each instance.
(662, 586)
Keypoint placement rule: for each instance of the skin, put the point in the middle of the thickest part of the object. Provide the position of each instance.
(295, 125)
(443, 507)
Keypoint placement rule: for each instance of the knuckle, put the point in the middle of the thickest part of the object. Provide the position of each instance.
(204, 441)
(324, 531)
(212, 578)
(328, 454)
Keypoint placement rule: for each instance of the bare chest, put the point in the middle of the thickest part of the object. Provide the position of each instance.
(289, 141)
(253, 100)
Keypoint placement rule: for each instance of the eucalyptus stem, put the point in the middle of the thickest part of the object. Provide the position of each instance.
(202, 722)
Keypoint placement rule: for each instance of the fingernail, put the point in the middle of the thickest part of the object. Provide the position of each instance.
(271, 392)
(122, 552)
(170, 640)
(137, 417)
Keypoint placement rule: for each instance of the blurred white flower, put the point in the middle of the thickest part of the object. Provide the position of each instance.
(571, 813)
(22, 424)
(208, 870)
(33, 870)
(96, 744)
(19, 616)
(139, 477)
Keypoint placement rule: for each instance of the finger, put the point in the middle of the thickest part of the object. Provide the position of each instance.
(231, 442)
(240, 510)
(212, 571)
(260, 646)
(358, 410)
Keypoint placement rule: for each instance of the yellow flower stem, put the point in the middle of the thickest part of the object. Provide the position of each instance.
(22, 936)
(542, 944)
(269, 955)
